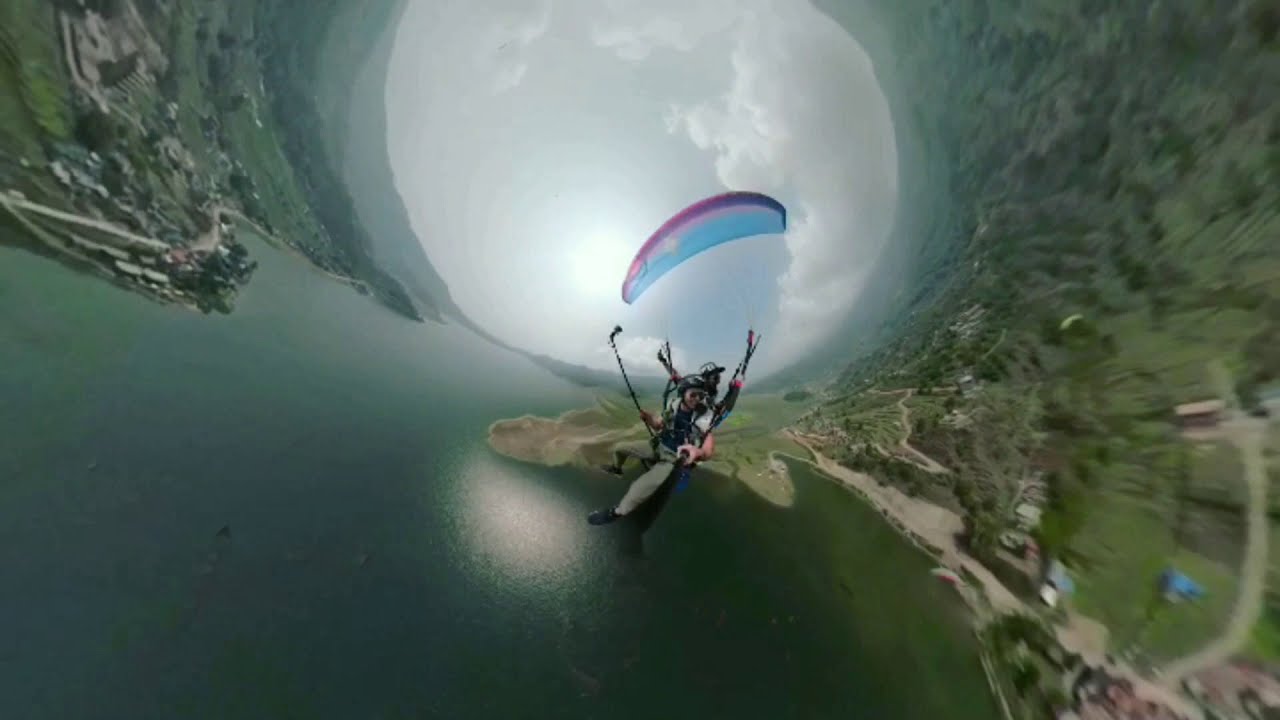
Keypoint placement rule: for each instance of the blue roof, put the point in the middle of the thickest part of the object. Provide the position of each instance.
(1058, 576)
(1175, 582)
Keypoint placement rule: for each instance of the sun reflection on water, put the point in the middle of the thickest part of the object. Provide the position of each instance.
(516, 526)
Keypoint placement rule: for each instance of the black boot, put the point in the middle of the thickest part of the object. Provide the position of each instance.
(603, 517)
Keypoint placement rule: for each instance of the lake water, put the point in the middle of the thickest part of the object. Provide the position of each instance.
(382, 561)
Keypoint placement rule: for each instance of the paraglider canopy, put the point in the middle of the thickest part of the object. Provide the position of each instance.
(701, 226)
(946, 575)
(1070, 320)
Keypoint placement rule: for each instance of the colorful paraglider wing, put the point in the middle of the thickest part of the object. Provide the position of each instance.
(699, 227)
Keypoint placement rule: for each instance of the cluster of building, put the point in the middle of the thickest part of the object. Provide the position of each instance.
(1237, 690)
(1027, 511)
(113, 60)
(89, 178)
(184, 274)
(1200, 418)
(1098, 695)
(966, 386)
(78, 170)
(148, 275)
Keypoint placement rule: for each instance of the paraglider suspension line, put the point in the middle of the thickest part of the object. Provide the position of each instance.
(753, 341)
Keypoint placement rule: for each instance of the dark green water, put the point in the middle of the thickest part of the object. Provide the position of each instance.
(383, 563)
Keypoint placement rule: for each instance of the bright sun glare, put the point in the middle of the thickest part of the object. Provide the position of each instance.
(598, 265)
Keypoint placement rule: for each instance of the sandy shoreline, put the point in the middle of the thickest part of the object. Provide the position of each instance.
(933, 528)
(573, 438)
(72, 256)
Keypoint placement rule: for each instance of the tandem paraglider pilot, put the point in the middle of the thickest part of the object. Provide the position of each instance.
(683, 437)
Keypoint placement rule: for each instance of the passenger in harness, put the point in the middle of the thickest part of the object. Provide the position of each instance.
(685, 428)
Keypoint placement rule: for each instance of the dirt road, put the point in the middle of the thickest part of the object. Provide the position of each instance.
(923, 461)
(1248, 434)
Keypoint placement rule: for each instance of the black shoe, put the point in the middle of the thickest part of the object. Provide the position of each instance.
(612, 469)
(603, 517)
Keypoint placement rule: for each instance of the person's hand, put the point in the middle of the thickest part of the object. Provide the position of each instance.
(647, 417)
(693, 453)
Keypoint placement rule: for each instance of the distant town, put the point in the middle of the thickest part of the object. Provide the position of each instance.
(120, 159)
(1173, 632)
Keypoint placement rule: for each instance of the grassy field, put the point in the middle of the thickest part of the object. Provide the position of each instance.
(282, 201)
(753, 412)
(1215, 471)
(1116, 580)
(769, 411)
(866, 402)
(743, 442)
(252, 136)
(1273, 473)
(35, 101)
(19, 133)
(1168, 354)
(929, 409)
(1265, 642)
(188, 68)
(868, 418)
(1197, 528)
(619, 410)
(750, 435)
(42, 79)
(1210, 513)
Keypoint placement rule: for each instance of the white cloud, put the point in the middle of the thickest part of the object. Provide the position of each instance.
(503, 48)
(627, 109)
(634, 30)
(509, 77)
(639, 354)
(773, 131)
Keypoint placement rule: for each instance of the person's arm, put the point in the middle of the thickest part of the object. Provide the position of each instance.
(697, 454)
(651, 420)
(708, 447)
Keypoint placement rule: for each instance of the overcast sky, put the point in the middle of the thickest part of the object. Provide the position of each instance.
(538, 143)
